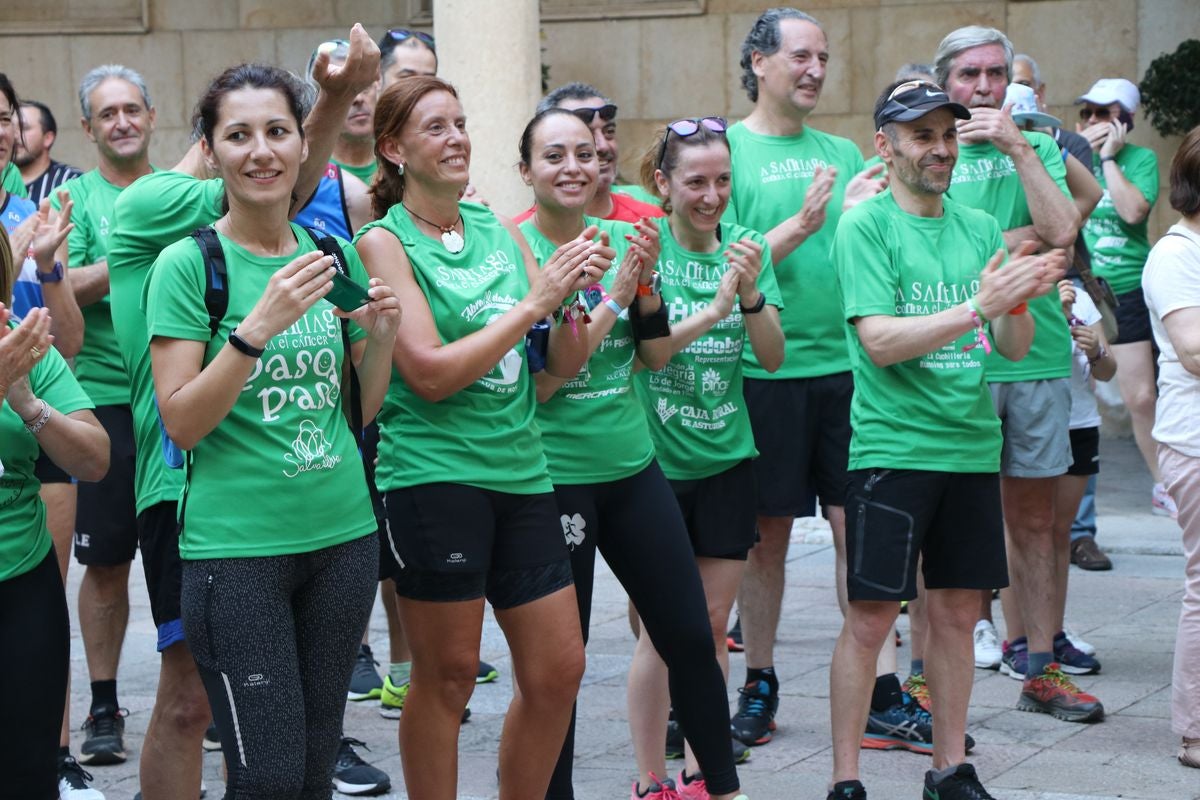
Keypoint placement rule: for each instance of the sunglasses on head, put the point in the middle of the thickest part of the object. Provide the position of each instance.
(689, 126)
(1100, 113)
(910, 85)
(607, 112)
(398, 35)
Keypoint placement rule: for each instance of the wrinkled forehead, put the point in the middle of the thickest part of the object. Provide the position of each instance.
(985, 57)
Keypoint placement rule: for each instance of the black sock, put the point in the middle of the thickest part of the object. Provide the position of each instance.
(104, 693)
(64, 752)
(765, 674)
(886, 693)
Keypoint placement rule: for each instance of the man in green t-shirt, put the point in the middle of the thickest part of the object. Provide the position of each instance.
(791, 183)
(118, 117)
(919, 282)
(1019, 178)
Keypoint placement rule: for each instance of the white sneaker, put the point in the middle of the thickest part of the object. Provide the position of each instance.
(73, 782)
(1162, 504)
(1079, 643)
(987, 645)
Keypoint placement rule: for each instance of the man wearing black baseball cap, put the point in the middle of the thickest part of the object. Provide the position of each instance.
(924, 298)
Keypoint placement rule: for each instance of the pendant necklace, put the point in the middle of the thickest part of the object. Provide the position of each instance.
(452, 240)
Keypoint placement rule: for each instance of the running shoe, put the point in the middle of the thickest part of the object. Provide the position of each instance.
(1073, 660)
(365, 683)
(1079, 643)
(674, 749)
(487, 673)
(754, 722)
(1015, 661)
(962, 784)
(391, 698)
(73, 781)
(987, 645)
(1161, 502)
(691, 789)
(658, 790)
(1055, 694)
(733, 639)
(847, 790)
(916, 688)
(353, 776)
(905, 726)
(211, 741)
(104, 737)
(1189, 752)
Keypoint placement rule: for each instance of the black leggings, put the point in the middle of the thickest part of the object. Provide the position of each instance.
(636, 524)
(35, 639)
(274, 639)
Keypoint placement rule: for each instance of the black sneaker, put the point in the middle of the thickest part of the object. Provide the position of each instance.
(733, 639)
(847, 790)
(353, 776)
(104, 737)
(963, 784)
(211, 742)
(73, 781)
(754, 722)
(741, 753)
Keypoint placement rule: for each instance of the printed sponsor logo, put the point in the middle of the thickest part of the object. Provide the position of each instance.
(573, 529)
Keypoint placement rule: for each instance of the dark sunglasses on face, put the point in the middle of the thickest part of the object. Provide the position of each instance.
(398, 35)
(1102, 114)
(607, 112)
(686, 127)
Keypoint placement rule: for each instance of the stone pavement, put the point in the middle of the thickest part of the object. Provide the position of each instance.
(1129, 614)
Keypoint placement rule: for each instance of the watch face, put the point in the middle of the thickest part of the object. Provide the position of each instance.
(655, 284)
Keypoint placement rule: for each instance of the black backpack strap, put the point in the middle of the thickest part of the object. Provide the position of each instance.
(216, 277)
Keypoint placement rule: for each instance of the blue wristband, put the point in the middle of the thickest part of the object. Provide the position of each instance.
(614, 306)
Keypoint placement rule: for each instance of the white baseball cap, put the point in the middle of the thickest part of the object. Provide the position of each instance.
(1113, 90)
(1025, 107)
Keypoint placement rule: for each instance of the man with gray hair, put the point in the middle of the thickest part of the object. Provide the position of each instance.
(1019, 178)
(118, 117)
(792, 183)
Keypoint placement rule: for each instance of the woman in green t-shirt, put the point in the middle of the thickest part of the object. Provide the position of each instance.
(42, 409)
(697, 414)
(616, 500)
(468, 497)
(279, 556)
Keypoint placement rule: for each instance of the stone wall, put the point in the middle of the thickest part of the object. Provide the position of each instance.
(656, 68)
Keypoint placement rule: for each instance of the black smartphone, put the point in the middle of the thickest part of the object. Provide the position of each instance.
(346, 294)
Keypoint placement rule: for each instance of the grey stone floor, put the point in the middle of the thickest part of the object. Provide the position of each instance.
(1129, 614)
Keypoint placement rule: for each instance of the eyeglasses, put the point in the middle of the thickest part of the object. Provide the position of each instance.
(398, 35)
(686, 127)
(1102, 113)
(607, 112)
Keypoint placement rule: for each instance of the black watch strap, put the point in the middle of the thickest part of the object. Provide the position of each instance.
(242, 346)
(757, 307)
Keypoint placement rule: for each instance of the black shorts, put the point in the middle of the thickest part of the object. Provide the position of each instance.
(1085, 451)
(158, 536)
(719, 512)
(802, 432)
(952, 520)
(456, 542)
(1133, 318)
(106, 531)
(47, 471)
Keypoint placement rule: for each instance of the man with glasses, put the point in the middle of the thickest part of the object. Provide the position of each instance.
(599, 113)
(1019, 178)
(792, 183)
(924, 299)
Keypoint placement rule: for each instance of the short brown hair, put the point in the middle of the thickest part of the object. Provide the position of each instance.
(1185, 175)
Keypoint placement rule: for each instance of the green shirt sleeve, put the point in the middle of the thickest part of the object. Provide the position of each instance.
(11, 181)
(1142, 172)
(868, 280)
(174, 296)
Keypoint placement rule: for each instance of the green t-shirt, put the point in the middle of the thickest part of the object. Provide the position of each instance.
(698, 417)
(24, 540)
(1118, 249)
(483, 435)
(637, 192)
(770, 176)
(933, 412)
(600, 399)
(10, 180)
(366, 174)
(98, 366)
(281, 473)
(153, 212)
(986, 179)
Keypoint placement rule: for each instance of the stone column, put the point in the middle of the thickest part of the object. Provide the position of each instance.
(491, 52)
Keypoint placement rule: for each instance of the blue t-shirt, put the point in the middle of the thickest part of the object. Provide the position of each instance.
(27, 291)
(326, 212)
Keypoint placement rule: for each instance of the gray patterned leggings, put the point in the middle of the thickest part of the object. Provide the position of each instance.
(274, 639)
